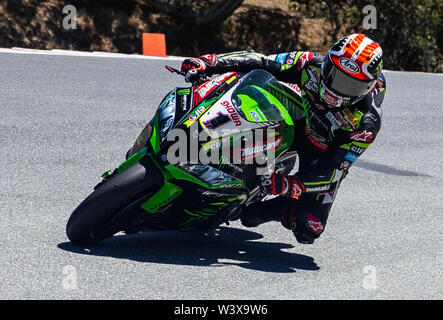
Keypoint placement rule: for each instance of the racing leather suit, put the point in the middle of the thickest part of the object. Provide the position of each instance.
(328, 140)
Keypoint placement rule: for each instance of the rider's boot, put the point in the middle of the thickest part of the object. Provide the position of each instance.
(277, 209)
(258, 213)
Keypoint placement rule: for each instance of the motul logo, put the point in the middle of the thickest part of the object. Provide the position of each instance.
(261, 147)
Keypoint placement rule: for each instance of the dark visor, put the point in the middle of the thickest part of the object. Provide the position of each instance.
(341, 83)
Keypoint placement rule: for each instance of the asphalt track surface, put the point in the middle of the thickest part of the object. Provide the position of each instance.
(66, 120)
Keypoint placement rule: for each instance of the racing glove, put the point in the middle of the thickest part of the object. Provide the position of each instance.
(193, 67)
(281, 185)
(193, 64)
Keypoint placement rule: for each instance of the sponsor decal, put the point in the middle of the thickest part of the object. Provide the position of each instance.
(317, 189)
(281, 58)
(350, 117)
(290, 58)
(350, 156)
(314, 79)
(252, 151)
(232, 112)
(184, 102)
(335, 123)
(294, 87)
(357, 150)
(255, 116)
(312, 85)
(219, 144)
(183, 92)
(342, 119)
(314, 72)
(296, 190)
(208, 86)
(349, 65)
(194, 116)
(315, 224)
(362, 135)
(330, 98)
(305, 57)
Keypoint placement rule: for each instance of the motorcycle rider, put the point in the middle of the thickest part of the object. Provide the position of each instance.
(337, 118)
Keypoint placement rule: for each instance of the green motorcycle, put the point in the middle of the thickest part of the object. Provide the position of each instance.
(195, 165)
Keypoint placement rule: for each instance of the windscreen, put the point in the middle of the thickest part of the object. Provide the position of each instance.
(259, 97)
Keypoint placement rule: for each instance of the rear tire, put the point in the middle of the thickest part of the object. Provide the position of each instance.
(109, 199)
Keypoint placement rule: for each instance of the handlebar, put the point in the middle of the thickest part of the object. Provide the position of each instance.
(191, 76)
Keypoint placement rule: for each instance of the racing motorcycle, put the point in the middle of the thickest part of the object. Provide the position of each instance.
(241, 116)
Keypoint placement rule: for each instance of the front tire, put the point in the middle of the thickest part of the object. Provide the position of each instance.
(115, 195)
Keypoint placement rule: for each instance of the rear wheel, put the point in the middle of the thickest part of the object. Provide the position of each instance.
(106, 210)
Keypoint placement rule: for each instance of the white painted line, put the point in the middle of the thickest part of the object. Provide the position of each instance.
(413, 72)
(102, 54)
(86, 54)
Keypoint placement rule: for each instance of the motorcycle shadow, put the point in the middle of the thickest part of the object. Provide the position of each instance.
(222, 247)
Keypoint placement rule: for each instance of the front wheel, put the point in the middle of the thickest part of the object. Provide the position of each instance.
(94, 219)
